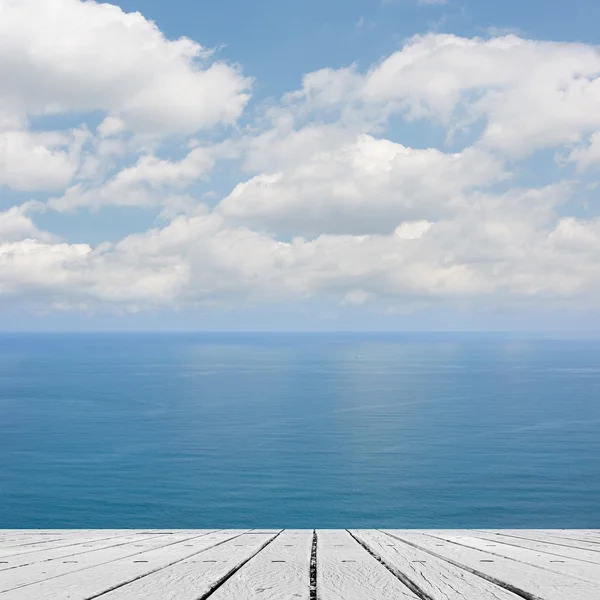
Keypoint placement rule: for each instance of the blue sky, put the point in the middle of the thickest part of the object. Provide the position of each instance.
(277, 42)
(299, 165)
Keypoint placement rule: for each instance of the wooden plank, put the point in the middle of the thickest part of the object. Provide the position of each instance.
(575, 568)
(19, 537)
(95, 580)
(572, 535)
(584, 535)
(28, 541)
(433, 577)
(42, 570)
(281, 570)
(84, 544)
(27, 537)
(545, 537)
(196, 576)
(432, 564)
(21, 540)
(506, 572)
(559, 551)
(346, 571)
(63, 542)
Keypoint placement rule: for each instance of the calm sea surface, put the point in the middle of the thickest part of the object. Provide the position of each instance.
(304, 430)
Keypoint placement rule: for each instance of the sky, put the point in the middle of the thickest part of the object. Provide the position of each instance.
(381, 164)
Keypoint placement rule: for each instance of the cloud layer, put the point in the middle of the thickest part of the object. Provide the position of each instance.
(324, 196)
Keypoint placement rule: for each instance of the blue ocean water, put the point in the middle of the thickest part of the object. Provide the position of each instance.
(298, 430)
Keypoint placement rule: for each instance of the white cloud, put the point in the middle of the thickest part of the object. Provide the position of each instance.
(366, 186)
(412, 230)
(110, 126)
(30, 266)
(143, 184)
(530, 94)
(58, 56)
(16, 225)
(322, 203)
(38, 161)
(505, 247)
(587, 156)
(74, 58)
(282, 146)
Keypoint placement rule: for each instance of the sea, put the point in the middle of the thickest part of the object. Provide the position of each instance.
(299, 430)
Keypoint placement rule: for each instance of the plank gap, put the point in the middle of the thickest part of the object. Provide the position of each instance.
(312, 587)
(402, 577)
(503, 584)
(233, 571)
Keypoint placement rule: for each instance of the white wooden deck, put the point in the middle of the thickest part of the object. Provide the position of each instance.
(300, 564)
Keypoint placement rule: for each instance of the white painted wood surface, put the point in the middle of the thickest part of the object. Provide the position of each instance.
(559, 551)
(433, 577)
(276, 565)
(550, 562)
(29, 544)
(346, 571)
(74, 549)
(54, 568)
(94, 580)
(553, 539)
(196, 576)
(536, 581)
(281, 570)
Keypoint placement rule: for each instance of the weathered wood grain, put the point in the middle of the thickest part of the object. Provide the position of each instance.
(526, 556)
(434, 578)
(281, 570)
(558, 551)
(434, 564)
(40, 571)
(538, 582)
(193, 578)
(65, 541)
(573, 534)
(84, 545)
(549, 538)
(92, 581)
(347, 571)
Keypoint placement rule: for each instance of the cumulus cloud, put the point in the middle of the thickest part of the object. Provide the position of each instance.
(412, 230)
(508, 246)
(143, 184)
(323, 201)
(587, 156)
(529, 94)
(58, 56)
(367, 186)
(16, 225)
(39, 161)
